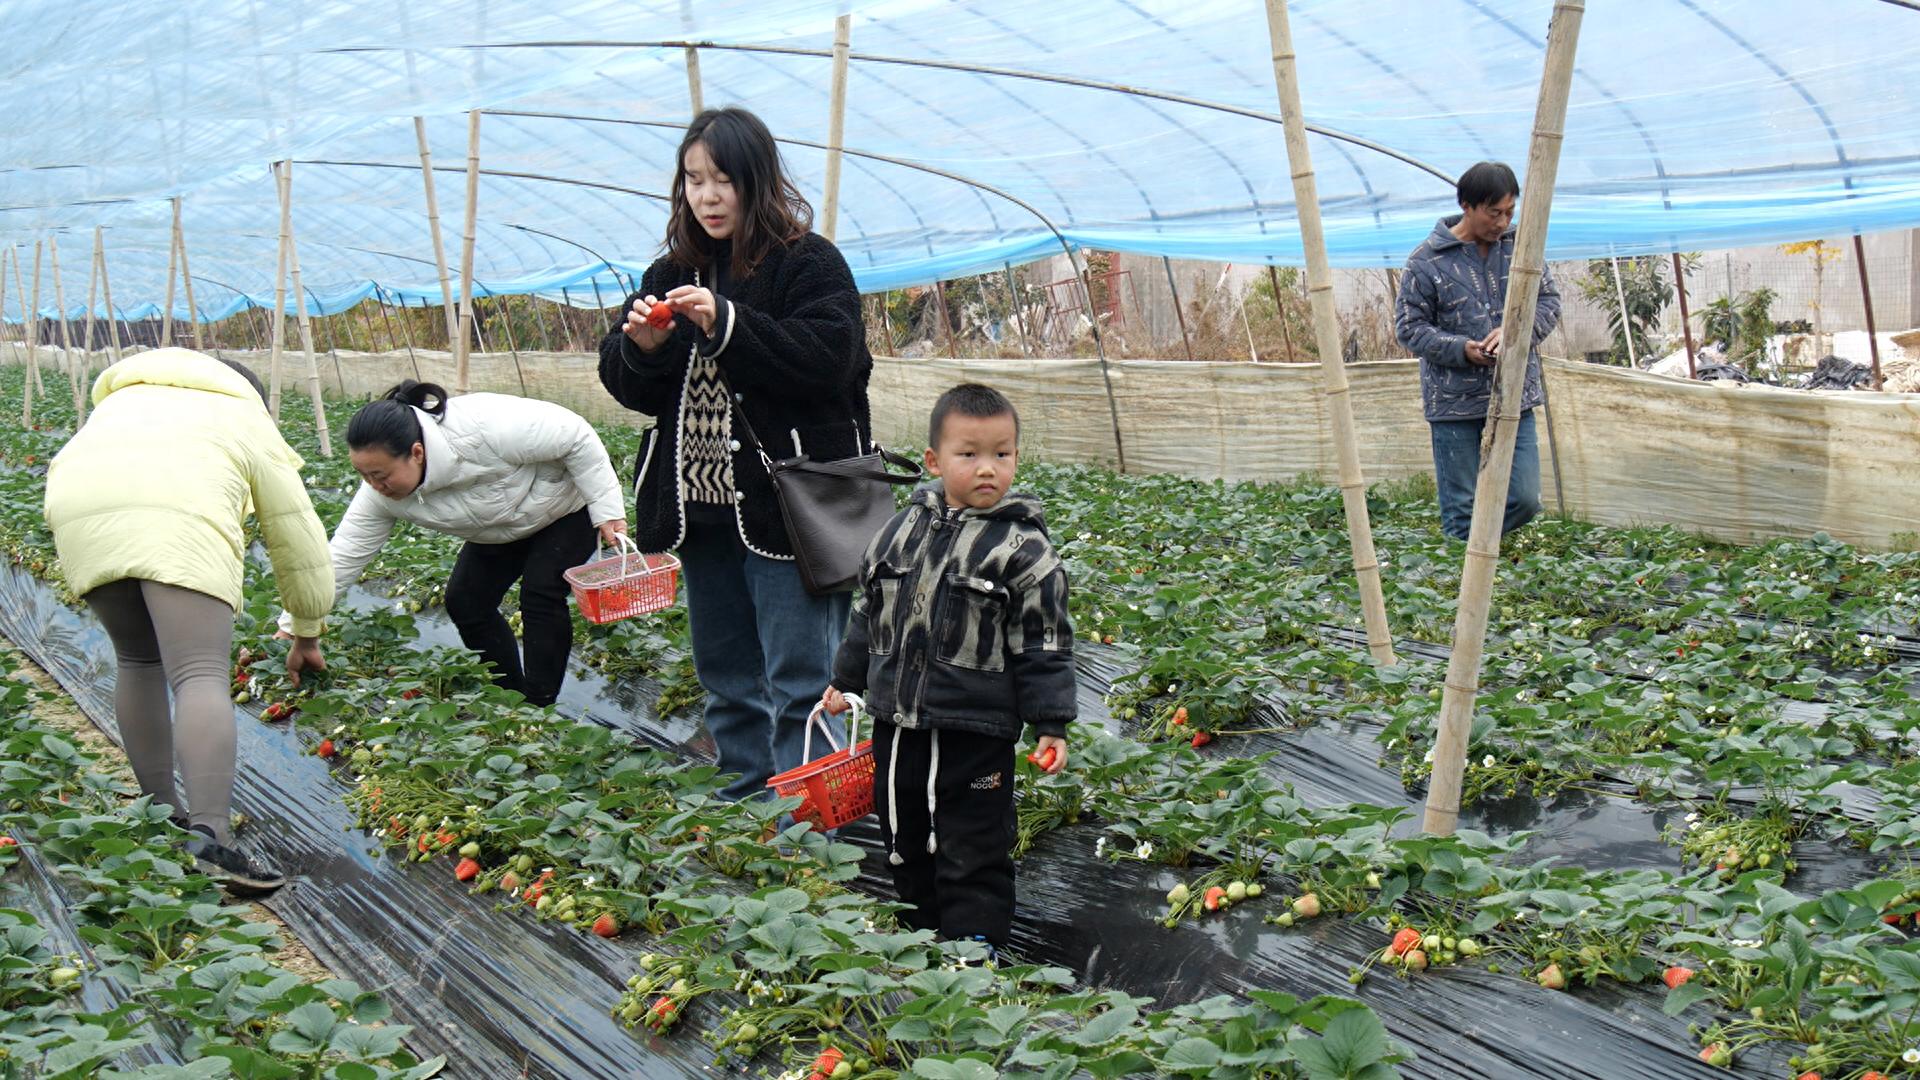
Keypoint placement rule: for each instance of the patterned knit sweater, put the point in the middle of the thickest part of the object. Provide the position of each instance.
(790, 339)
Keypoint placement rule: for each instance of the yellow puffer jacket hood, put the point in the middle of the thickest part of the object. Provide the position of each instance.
(159, 482)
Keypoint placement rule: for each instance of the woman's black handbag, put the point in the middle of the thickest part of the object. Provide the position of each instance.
(833, 509)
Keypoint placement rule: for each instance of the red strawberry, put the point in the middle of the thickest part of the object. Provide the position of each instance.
(1808, 1075)
(1404, 940)
(539, 888)
(445, 838)
(829, 1060)
(1676, 977)
(1213, 898)
(1045, 759)
(325, 749)
(662, 1013)
(467, 870)
(1180, 715)
(421, 844)
(606, 925)
(241, 677)
(659, 316)
(409, 695)
(1872, 1075)
(8, 841)
(279, 710)
(1890, 920)
(1200, 739)
(1551, 978)
(31, 459)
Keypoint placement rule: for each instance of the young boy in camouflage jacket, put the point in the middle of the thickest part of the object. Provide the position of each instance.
(960, 639)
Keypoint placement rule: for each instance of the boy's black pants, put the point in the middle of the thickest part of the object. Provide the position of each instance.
(964, 887)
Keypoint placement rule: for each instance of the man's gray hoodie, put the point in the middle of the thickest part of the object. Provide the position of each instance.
(1449, 295)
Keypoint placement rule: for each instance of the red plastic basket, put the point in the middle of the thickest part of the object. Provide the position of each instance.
(838, 788)
(624, 585)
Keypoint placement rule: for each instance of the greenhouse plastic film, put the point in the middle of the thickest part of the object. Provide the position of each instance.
(975, 134)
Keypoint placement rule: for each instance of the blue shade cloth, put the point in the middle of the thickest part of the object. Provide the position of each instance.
(1693, 124)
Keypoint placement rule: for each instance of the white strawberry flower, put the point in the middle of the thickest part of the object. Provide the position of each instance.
(1144, 851)
(1911, 1055)
(1487, 762)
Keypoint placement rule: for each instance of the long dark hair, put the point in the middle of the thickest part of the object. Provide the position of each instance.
(389, 422)
(773, 213)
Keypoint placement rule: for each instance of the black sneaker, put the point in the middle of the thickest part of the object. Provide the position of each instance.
(239, 874)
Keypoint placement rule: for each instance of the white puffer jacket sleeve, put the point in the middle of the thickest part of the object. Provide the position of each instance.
(542, 432)
(362, 532)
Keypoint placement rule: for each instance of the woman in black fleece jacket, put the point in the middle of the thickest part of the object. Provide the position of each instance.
(766, 323)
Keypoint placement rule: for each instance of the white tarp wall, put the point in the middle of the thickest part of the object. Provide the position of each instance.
(1740, 463)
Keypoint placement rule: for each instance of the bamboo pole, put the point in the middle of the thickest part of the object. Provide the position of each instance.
(1280, 309)
(4, 253)
(433, 224)
(14, 254)
(1019, 309)
(1503, 422)
(279, 289)
(32, 330)
(460, 347)
(1866, 301)
(66, 330)
(836, 124)
(173, 266)
(693, 80)
(388, 319)
(546, 336)
(1626, 324)
(106, 294)
(1686, 318)
(1553, 444)
(946, 319)
(93, 293)
(1246, 323)
(19, 288)
(186, 280)
(1353, 486)
(1179, 312)
(306, 328)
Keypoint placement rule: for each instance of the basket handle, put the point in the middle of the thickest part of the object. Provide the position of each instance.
(817, 719)
(625, 546)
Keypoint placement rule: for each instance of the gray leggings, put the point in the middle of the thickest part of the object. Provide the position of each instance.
(165, 636)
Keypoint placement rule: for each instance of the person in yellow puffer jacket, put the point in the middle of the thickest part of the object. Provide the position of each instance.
(148, 504)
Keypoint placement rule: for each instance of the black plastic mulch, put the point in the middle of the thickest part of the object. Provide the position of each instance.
(503, 995)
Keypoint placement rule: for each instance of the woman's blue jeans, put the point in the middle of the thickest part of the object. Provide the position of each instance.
(763, 649)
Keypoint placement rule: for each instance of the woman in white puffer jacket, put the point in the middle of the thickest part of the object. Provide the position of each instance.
(525, 483)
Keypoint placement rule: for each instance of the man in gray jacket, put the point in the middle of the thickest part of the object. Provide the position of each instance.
(1451, 300)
